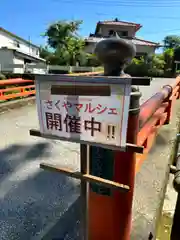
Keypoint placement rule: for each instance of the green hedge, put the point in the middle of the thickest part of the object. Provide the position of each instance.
(154, 66)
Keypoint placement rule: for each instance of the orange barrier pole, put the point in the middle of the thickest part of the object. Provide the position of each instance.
(14, 81)
(151, 105)
(175, 95)
(14, 92)
(110, 211)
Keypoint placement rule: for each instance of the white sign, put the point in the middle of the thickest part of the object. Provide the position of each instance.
(97, 119)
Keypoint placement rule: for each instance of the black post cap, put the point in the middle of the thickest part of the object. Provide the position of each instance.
(114, 53)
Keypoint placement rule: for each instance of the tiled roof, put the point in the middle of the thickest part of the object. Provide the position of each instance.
(136, 41)
(120, 23)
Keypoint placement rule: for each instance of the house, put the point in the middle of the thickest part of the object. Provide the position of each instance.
(16, 50)
(125, 30)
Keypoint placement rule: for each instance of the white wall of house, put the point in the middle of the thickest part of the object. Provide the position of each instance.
(89, 48)
(8, 41)
(6, 60)
(13, 63)
(145, 49)
(104, 30)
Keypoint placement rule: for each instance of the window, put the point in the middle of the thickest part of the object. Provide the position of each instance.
(33, 50)
(111, 32)
(27, 61)
(123, 33)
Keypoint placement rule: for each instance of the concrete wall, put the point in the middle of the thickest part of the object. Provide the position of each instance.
(7, 61)
(9, 41)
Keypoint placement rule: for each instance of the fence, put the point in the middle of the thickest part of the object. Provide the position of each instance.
(15, 88)
(155, 112)
(42, 68)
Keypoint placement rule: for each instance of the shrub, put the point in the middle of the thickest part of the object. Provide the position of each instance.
(2, 76)
(155, 72)
(92, 61)
(138, 67)
(152, 67)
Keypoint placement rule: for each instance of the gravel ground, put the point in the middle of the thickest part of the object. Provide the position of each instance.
(31, 199)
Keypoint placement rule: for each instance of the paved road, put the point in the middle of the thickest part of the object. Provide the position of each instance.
(155, 86)
(31, 199)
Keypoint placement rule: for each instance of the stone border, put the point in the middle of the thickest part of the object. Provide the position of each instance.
(9, 105)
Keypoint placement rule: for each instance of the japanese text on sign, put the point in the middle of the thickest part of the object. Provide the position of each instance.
(98, 119)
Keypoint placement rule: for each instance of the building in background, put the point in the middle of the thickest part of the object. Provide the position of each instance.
(125, 30)
(16, 50)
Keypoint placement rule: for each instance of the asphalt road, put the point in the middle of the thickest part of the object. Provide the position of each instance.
(31, 199)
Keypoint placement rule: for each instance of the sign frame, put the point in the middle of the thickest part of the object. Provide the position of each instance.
(85, 80)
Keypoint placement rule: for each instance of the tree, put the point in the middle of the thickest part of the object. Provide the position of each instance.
(177, 54)
(74, 49)
(171, 41)
(92, 60)
(58, 33)
(168, 55)
(63, 38)
(44, 52)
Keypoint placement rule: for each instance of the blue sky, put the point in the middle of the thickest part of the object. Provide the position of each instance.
(30, 18)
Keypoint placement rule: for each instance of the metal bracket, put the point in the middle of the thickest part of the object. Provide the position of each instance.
(143, 81)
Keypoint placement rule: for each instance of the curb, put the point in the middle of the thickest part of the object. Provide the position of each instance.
(6, 106)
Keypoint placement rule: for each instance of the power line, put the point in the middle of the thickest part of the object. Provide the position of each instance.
(163, 31)
(139, 16)
(122, 4)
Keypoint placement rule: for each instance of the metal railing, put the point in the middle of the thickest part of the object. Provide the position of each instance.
(40, 68)
(15, 88)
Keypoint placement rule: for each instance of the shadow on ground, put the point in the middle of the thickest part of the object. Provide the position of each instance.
(14, 155)
(31, 200)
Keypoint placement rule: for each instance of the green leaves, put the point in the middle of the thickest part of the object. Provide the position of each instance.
(171, 41)
(63, 38)
(58, 33)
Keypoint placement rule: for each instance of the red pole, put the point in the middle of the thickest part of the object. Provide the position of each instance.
(110, 216)
(110, 211)
(124, 172)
